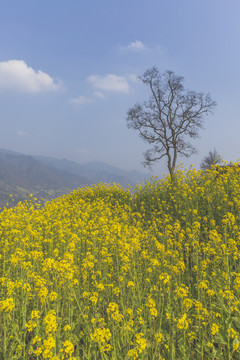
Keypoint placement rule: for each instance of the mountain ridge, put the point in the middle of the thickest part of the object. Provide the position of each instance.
(96, 171)
(48, 177)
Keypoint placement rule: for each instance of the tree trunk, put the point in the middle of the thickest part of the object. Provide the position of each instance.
(172, 163)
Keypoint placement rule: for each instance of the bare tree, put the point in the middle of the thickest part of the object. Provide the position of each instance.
(169, 116)
(213, 158)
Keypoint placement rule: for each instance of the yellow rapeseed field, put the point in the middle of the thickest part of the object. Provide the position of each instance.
(106, 273)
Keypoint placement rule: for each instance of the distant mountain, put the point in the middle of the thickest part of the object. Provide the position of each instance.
(47, 177)
(21, 175)
(96, 171)
(22, 170)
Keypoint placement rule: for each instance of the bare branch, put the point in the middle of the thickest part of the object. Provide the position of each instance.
(169, 116)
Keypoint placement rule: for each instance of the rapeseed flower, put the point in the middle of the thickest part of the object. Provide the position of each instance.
(113, 273)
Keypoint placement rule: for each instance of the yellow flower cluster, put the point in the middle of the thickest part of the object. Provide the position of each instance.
(107, 273)
(101, 336)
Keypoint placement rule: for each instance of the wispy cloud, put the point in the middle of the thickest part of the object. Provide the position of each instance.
(138, 47)
(88, 100)
(81, 151)
(18, 76)
(22, 133)
(99, 95)
(81, 100)
(105, 84)
(135, 46)
(110, 82)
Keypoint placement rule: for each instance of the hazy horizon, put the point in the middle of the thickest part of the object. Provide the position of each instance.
(146, 171)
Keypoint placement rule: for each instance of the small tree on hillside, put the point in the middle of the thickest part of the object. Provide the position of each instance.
(213, 158)
(169, 117)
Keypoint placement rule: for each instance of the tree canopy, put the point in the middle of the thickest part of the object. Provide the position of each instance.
(212, 158)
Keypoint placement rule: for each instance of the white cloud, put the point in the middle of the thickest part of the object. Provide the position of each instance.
(99, 95)
(110, 82)
(135, 46)
(81, 100)
(138, 46)
(87, 100)
(17, 75)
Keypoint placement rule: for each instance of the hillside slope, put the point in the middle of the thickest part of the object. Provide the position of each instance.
(48, 177)
(21, 175)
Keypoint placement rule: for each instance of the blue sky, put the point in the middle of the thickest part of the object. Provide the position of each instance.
(68, 74)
